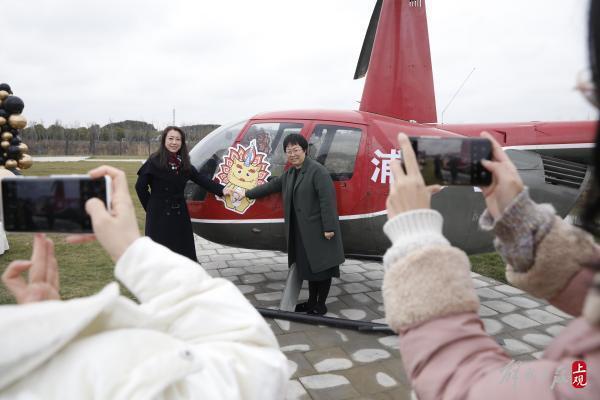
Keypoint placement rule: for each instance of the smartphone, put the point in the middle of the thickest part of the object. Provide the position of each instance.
(51, 203)
(453, 161)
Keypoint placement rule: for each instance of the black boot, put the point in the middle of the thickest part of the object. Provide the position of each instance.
(322, 291)
(308, 306)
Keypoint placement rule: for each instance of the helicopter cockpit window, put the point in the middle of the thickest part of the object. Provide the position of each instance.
(269, 139)
(335, 147)
(208, 153)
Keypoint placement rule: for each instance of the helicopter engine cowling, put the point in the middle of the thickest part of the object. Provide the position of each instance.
(462, 206)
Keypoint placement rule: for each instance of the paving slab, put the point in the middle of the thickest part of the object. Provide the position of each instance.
(328, 387)
(332, 363)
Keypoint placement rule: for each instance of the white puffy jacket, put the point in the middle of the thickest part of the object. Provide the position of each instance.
(192, 337)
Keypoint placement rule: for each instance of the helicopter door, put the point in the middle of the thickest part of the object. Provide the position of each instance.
(269, 137)
(336, 147)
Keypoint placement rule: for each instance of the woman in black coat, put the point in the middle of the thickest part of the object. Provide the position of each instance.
(165, 173)
(312, 222)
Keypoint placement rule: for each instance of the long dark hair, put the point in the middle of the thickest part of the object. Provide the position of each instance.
(591, 210)
(162, 154)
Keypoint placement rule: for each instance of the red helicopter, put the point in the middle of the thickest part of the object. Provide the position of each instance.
(357, 147)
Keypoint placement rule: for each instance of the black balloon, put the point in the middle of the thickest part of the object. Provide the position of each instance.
(15, 141)
(4, 113)
(5, 86)
(13, 105)
(13, 152)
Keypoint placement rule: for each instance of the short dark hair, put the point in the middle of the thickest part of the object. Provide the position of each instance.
(295, 138)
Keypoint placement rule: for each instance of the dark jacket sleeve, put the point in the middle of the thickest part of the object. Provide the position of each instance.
(206, 182)
(143, 183)
(326, 193)
(273, 186)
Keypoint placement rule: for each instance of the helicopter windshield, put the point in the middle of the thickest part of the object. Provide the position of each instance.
(207, 154)
(269, 139)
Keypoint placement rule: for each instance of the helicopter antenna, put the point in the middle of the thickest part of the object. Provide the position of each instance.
(456, 93)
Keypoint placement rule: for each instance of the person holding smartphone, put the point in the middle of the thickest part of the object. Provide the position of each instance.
(430, 300)
(188, 335)
(429, 296)
(160, 185)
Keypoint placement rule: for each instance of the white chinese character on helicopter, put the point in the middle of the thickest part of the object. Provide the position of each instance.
(382, 165)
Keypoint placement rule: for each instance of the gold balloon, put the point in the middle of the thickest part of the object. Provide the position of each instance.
(4, 94)
(7, 136)
(25, 161)
(23, 148)
(5, 145)
(2, 121)
(10, 164)
(17, 121)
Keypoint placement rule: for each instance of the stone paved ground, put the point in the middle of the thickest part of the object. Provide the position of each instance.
(330, 363)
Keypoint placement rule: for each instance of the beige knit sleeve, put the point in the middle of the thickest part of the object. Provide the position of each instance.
(562, 252)
(427, 283)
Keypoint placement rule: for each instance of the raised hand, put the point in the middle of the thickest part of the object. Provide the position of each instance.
(506, 182)
(115, 230)
(408, 190)
(42, 282)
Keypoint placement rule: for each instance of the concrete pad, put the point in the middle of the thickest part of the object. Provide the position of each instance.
(295, 391)
(376, 366)
(253, 278)
(328, 387)
(487, 293)
(522, 302)
(350, 269)
(355, 288)
(500, 306)
(492, 326)
(370, 355)
(486, 312)
(509, 290)
(371, 379)
(325, 381)
(519, 321)
(555, 330)
(303, 367)
(543, 317)
(477, 283)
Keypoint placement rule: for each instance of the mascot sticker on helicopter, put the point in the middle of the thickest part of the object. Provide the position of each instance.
(242, 168)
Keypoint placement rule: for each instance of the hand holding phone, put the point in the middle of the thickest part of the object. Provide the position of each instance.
(51, 203)
(453, 160)
(408, 190)
(116, 229)
(506, 182)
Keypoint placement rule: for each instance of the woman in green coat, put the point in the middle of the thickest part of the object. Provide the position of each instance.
(311, 221)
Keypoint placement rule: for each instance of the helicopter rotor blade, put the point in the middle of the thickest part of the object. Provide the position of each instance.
(365, 52)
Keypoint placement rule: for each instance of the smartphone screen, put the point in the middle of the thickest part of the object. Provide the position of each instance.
(453, 161)
(50, 204)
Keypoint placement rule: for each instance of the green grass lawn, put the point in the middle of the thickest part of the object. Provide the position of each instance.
(117, 158)
(85, 268)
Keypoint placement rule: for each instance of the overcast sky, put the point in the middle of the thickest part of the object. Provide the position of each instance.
(213, 61)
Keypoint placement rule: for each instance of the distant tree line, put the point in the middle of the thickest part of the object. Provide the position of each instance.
(134, 138)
